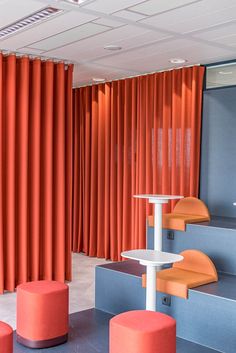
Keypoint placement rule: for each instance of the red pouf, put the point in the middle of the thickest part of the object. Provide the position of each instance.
(6, 338)
(42, 314)
(142, 331)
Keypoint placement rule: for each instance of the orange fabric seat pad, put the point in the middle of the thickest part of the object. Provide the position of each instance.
(42, 310)
(177, 221)
(142, 331)
(175, 281)
(6, 338)
(187, 210)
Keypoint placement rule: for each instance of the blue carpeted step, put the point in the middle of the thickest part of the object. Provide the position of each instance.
(216, 238)
(208, 317)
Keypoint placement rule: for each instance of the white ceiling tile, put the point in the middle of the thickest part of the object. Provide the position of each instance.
(155, 49)
(227, 40)
(72, 35)
(32, 51)
(109, 6)
(194, 17)
(108, 22)
(199, 23)
(217, 33)
(12, 10)
(48, 28)
(83, 74)
(127, 37)
(153, 7)
(157, 56)
(129, 15)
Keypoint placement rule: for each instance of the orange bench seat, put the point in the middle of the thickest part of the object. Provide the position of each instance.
(195, 270)
(187, 210)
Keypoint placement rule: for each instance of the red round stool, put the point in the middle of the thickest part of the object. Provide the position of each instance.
(6, 338)
(42, 314)
(142, 331)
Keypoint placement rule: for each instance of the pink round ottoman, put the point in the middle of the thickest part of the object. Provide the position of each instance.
(6, 338)
(142, 331)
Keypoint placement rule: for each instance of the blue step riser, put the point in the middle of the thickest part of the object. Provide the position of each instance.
(218, 243)
(204, 319)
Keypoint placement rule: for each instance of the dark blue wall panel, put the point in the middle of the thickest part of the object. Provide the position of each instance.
(218, 157)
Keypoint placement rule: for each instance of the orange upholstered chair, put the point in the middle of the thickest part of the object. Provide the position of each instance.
(195, 270)
(6, 338)
(187, 210)
(42, 314)
(142, 331)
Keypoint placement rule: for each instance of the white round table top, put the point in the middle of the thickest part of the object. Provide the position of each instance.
(154, 197)
(152, 257)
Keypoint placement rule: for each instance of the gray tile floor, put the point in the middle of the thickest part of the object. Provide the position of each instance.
(81, 289)
(89, 334)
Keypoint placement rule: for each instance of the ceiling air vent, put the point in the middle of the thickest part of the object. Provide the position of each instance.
(28, 21)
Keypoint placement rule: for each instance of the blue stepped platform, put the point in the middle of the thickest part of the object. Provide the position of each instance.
(207, 318)
(216, 238)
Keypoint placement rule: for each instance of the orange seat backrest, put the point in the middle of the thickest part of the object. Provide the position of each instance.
(191, 206)
(196, 261)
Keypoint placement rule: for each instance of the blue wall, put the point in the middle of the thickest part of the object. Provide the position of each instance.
(218, 156)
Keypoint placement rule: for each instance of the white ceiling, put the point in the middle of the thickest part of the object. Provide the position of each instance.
(150, 33)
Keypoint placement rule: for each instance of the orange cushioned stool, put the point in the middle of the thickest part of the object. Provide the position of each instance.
(142, 331)
(42, 314)
(6, 338)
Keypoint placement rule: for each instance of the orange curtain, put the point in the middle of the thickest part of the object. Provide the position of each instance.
(139, 135)
(35, 171)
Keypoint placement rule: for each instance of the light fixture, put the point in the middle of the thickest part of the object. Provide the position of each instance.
(99, 79)
(28, 21)
(77, 2)
(177, 61)
(225, 72)
(112, 47)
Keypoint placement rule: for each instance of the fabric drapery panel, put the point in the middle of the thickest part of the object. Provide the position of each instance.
(35, 170)
(138, 135)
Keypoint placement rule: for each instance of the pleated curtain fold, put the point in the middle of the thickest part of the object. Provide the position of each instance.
(35, 170)
(138, 135)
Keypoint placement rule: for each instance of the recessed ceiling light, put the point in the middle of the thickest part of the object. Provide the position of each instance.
(77, 2)
(112, 47)
(177, 61)
(99, 79)
(28, 21)
(225, 72)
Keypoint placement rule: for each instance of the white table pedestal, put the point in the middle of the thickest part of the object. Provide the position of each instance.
(152, 259)
(158, 201)
(151, 286)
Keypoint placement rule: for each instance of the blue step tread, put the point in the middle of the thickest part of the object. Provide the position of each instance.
(89, 334)
(215, 222)
(224, 288)
(216, 238)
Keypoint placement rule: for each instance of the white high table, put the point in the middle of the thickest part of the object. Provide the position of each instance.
(158, 201)
(152, 259)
